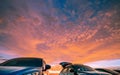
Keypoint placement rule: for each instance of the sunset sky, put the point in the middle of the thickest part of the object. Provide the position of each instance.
(78, 31)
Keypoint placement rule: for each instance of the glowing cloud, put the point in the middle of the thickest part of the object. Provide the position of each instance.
(60, 30)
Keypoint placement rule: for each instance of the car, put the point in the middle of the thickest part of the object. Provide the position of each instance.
(79, 69)
(107, 71)
(117, 70)
(24, 66)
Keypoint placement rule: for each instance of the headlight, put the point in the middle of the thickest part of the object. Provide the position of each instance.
(33, 73)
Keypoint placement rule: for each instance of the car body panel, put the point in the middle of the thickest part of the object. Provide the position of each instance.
(5, 70)
(107, 71)
(117, 70)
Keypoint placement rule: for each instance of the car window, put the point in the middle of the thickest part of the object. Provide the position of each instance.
(82, 68)
(44, 64)
(23, 62)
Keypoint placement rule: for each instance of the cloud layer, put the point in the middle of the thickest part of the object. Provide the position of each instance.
(60, 30)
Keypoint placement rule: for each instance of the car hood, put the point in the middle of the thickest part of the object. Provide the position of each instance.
(96, 73)
(7, 70)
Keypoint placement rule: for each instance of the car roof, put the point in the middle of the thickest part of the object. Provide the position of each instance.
(78, 66)
(81, 65)
(27, 58)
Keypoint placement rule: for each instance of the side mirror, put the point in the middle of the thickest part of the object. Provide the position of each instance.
(47, 67)
(72, 70)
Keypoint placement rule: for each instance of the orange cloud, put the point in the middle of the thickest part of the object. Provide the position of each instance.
(61, 34)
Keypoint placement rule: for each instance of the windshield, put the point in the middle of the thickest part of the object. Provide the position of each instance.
(80, 68)
(23, 62)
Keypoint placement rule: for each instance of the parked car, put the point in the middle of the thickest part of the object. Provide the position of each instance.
(117, 70)
(24, 66)
(79, 69)
(107, 71)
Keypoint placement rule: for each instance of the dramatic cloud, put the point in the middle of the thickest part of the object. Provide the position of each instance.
(60, 30)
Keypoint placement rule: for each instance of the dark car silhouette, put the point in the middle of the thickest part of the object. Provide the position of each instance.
(107, 71)
(117, 70)
(79, 69)
(23, 66)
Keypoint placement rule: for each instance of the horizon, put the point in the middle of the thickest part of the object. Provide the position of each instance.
(61, 30)
(96, 64)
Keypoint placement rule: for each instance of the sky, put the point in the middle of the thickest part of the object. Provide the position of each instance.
(78, 31)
